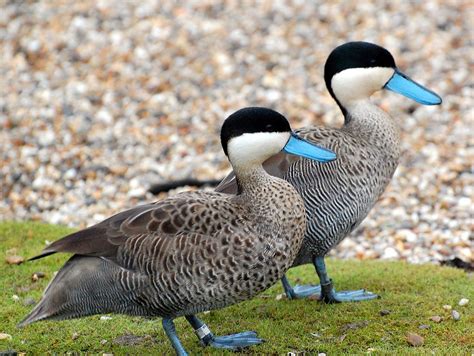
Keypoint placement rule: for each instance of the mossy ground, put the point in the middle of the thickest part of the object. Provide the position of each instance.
(413, 293)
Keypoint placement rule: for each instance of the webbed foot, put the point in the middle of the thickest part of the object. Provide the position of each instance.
(330, 296)
(235, 341)
(230, 342)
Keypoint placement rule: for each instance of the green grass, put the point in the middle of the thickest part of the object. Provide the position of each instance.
(413, 293)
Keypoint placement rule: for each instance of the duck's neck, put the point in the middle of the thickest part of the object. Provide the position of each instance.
(250, 179)
(368, 121)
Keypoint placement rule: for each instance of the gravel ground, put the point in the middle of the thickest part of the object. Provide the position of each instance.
(100, 99)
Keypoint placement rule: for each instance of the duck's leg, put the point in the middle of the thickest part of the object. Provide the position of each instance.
(329, 294)
(170, 330)
(232, 342)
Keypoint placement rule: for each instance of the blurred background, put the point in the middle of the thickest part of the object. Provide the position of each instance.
(101, 99)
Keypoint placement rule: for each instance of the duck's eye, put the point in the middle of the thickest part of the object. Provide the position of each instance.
(268, 126)
(372, 61)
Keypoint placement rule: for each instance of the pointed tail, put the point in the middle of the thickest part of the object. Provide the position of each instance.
(86, 286)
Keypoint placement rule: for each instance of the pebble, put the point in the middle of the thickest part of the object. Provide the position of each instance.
(447, 307)
(96, 107)
(37, 275)
(29, 301)
(75, 335)
(385, 312)
(390, 253)
(105, 318)
(463, 302)
(455, 314)
(14, 260)
(4, 336)
(436, 319)
(15, 298)
(415, 339)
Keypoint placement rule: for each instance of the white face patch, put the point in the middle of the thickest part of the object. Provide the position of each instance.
(354, 84)
(252, 149)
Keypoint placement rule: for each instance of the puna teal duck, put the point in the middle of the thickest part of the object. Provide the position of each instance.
(339, 195)
(195, 251)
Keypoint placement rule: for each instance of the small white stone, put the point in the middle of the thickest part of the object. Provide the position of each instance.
(15, 298)
(455, 314)
(137, 192)
(390, 253)
(46, 138)
(105, 317)
(4, 336)
(104, 116)
(463, 302)
(447, 307)
(70, 173)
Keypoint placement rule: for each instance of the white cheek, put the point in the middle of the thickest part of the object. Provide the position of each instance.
(254, 148)
(356, 84)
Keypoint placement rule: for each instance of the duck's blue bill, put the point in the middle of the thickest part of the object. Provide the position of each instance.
(401, 84)
(297, 146)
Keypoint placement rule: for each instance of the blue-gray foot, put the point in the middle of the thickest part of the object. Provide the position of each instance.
(230, 342)
(299, 292)
(330, 296)
(236, 341)
(326, 293)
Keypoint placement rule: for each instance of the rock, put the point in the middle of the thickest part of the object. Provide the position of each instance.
(14, 260)
(29, 301)
(354, 326)
(103, 342)
(384, 312)
(4, 336)
(15, 298)
(75, 335)
(37, 275)
(130, 339)
(105, 318)
(280, 296)
(455, 314)
(415, 339)
(463, 302)
(390, 253)
(436, 318)
(424, 326)
(447, 307)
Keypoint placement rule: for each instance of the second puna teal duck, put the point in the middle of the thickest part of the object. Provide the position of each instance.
(339, 195)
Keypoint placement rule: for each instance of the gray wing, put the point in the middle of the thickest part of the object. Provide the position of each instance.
(188, 218)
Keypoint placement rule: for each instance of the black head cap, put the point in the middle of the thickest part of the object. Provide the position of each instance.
(251, 120)
(355, 55)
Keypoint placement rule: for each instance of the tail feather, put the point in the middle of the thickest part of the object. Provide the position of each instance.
(87, 286)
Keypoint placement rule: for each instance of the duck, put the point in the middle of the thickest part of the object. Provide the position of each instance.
(192, 252)
(340, 194)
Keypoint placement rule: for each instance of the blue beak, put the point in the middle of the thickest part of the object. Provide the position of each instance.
(297, 146)
(400, 83)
